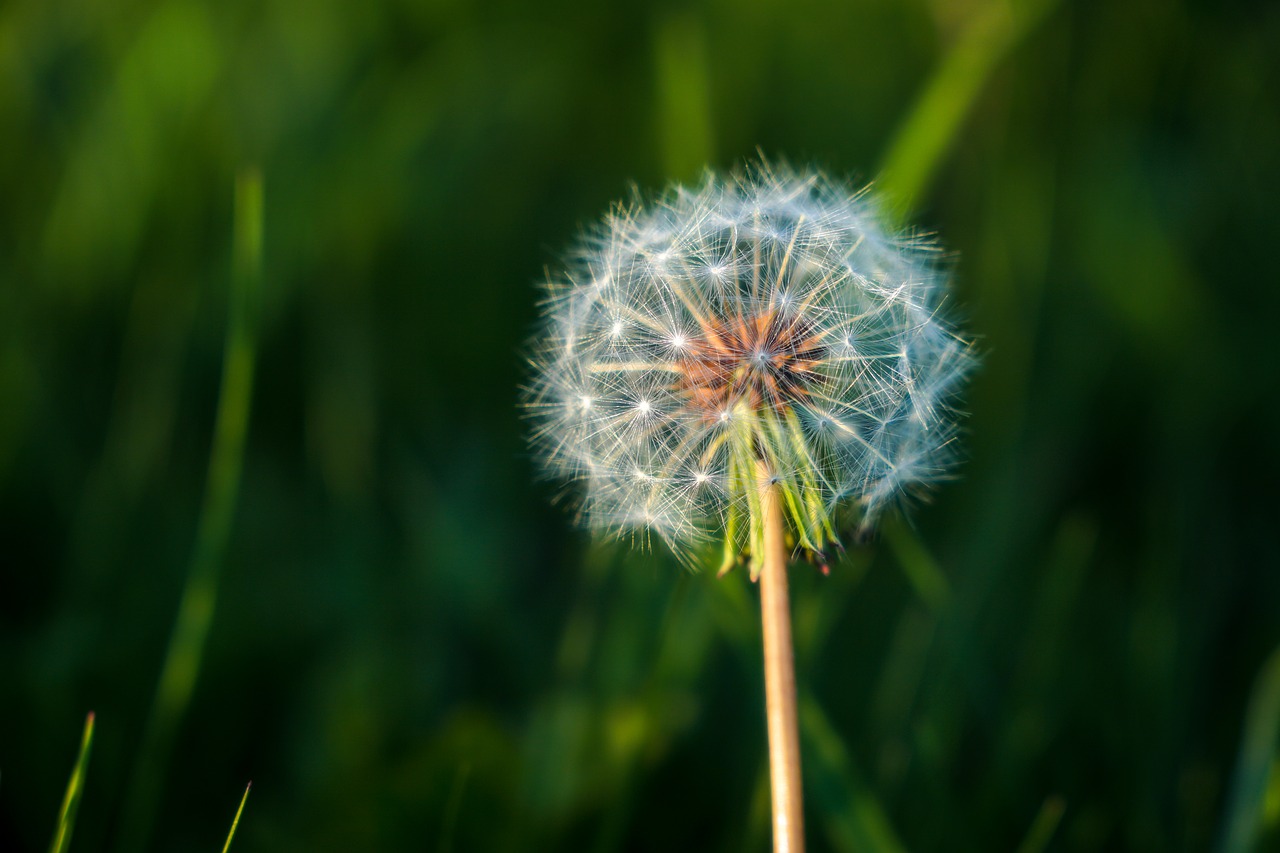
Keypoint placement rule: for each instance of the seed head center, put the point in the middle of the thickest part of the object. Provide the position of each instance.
(765, 360)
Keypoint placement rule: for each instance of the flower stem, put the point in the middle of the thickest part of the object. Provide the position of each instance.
(779, 675)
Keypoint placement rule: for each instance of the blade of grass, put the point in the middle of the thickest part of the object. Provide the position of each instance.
(1270, 818)
(199, 596)
(75, 785)
(235, 822)
(1044, 826)
(918, 564)
(452, 808)
(1246, 804)
(684, 96)
(853, 816)
(931, 126)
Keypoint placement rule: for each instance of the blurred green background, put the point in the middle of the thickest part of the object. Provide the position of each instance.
(412, 649)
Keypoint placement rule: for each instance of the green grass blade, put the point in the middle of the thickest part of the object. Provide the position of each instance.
(1044, 826)
(927, 131)
(918, 565)
(852, 814)
(75, 785)
(1246, 805)
(683, 96)
(199, 596)
(452, 808)
(235, 822)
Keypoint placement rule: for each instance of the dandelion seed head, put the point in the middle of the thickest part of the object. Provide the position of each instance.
(767, 318)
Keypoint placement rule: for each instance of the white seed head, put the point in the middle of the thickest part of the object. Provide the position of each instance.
(769, 318)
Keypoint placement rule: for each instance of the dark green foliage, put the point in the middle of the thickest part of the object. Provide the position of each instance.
(412, 647)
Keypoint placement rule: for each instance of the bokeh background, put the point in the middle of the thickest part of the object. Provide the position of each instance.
(409, 647)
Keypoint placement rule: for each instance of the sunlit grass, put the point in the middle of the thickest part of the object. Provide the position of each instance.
(75, 788)
(235, 822)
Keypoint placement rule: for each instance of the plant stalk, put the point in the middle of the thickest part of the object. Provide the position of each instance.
(779, 676)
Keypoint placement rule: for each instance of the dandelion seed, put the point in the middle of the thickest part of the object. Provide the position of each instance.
(766, 321)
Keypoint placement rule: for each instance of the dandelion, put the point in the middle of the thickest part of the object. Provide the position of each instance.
(758, 360)
(768, 325)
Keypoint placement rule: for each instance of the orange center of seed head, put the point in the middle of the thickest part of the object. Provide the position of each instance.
(762, 360)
